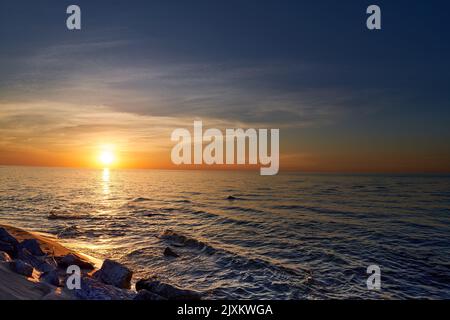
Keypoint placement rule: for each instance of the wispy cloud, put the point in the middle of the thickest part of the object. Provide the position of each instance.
(279, 94)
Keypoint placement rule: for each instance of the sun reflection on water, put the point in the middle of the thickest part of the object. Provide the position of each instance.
(106, 180)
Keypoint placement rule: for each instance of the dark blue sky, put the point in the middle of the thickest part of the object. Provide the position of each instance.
(310, 67)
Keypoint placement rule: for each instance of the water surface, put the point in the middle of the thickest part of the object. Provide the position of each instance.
(292, 236)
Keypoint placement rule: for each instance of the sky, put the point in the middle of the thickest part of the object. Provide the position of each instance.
(345, 99)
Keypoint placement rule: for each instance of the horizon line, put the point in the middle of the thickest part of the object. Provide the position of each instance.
(244, 169)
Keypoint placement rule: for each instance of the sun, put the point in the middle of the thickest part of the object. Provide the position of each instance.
(107, 157)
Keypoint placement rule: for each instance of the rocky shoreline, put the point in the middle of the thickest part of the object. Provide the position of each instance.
(33, 266)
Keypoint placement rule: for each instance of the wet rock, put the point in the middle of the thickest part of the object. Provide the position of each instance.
(32, 245)
(4, 257)
(22, 268)
(148, 296)
(53, 216)
(51, 261)
(8, 248)
(92, 289)
(71, 259)
(179, 239)
(38, 263)
(168, 252)
(7, 238)
(115, 274)
(166, 290)
(69, 232)
(50, 277)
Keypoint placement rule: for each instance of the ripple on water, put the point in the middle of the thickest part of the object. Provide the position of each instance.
(293, 237)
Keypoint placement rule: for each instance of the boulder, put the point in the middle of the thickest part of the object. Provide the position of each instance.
(22, 268)
(167, 291)
(115, 274)
(71, 259)
(92, 289)
(8, 248)
(4, 257)
(32, 245)
(168, 252)
(69, 232)
(148, 296)
(38, 263)
(50, 277)
(51, 261)
(6, 237)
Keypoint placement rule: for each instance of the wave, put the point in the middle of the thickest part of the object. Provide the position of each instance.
(68, 232)
(312, 209)
(288, 207)
(54, 216)
(224, 219)
(179, 239)
(181, 201)
(233, 198)
(243, 209)
(232, 259)
(147, 213)
(140, 199)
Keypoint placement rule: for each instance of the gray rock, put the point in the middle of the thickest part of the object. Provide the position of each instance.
(51, 261)
(38, 263)
(69, 232)
(6, 237)
(92, 289)
(166, 290)
(4, 257)
(71, 259)
(168, 252)
(22, 268)
(32, 245)
(50, 277)
(8, 248)
(115, 274)
(148, 296)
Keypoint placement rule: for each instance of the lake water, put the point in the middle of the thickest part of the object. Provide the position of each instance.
(291, 236)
